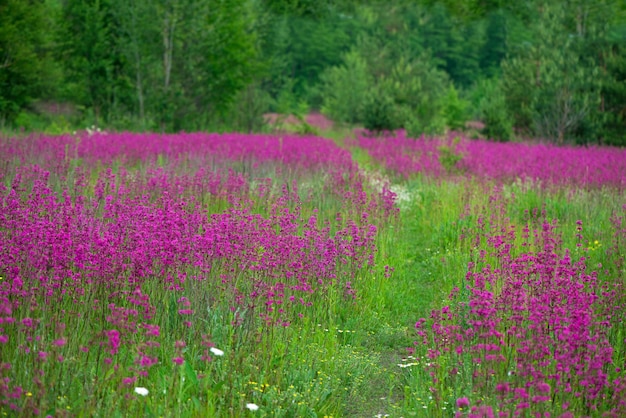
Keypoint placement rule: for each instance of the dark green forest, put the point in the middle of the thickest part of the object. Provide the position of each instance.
(554, 70)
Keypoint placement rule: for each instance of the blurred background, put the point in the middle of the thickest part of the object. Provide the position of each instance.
(552, 70)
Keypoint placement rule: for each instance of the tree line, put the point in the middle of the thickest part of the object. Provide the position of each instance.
(555, 70)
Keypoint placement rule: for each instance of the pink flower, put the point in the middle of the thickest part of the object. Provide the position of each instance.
(178, 360)
(114, 340)
(129, 380)
(60, 342)
(152, 330)
(462, 402)
(543, 387)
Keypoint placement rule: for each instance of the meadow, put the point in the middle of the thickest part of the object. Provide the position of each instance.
(296, 276)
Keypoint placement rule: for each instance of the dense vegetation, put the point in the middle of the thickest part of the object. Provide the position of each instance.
(230, 275)
(554, 70)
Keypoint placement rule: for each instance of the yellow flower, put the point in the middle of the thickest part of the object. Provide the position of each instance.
(29, 394)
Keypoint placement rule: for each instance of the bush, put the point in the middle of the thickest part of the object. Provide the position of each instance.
(378, 113)
(454, 110)
(345, 89)
(435, 125)
(494, 114)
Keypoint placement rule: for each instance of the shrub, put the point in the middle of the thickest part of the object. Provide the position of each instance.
(493, 110)
(378, 113)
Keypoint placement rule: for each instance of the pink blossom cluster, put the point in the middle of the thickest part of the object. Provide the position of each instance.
(101, 224)
(207, 150)
(504, 162)
(531, 328)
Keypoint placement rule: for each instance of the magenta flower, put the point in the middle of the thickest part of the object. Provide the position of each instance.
(114, 340)
(152, 330)
(60, 342)
(129, 380)
(462, 402)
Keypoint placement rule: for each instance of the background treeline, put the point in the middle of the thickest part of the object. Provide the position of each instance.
(549, 69)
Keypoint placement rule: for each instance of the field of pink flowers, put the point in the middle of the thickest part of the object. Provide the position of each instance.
(547, 164)
(257, 275)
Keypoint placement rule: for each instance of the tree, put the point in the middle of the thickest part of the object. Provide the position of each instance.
(613, 92)
(217, 58)
(93, 64)
(345, 88)
(25, 59)
(494, 49)
(138, 44)
(549, 86)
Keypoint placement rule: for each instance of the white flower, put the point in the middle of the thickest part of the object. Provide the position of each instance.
(142, 391)
(216, 351)
(252, 406)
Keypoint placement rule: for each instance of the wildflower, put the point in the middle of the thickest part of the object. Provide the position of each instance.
(252, 406)
(147, 361)
(178, 360)
(60, 342)
(217, 352)
(114, 340)
(152, 330)
(543, 387)
(141, 391)
(462, 402)
(502, 387)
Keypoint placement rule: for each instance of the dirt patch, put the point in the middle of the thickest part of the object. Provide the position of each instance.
(314, 119)
(319, 121)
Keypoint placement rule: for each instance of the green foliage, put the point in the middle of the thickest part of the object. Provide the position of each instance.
(417, 89)
(378, 112)
(434, 126)
(26, 66)
(554, 84)
(494, 50)
(455, 109)
(248, 108)
(613, 89)
(455, 45)
(33, 122)
(449, 158)
(184, 64)
(90, 55)
(345, 89)
(493, 111)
